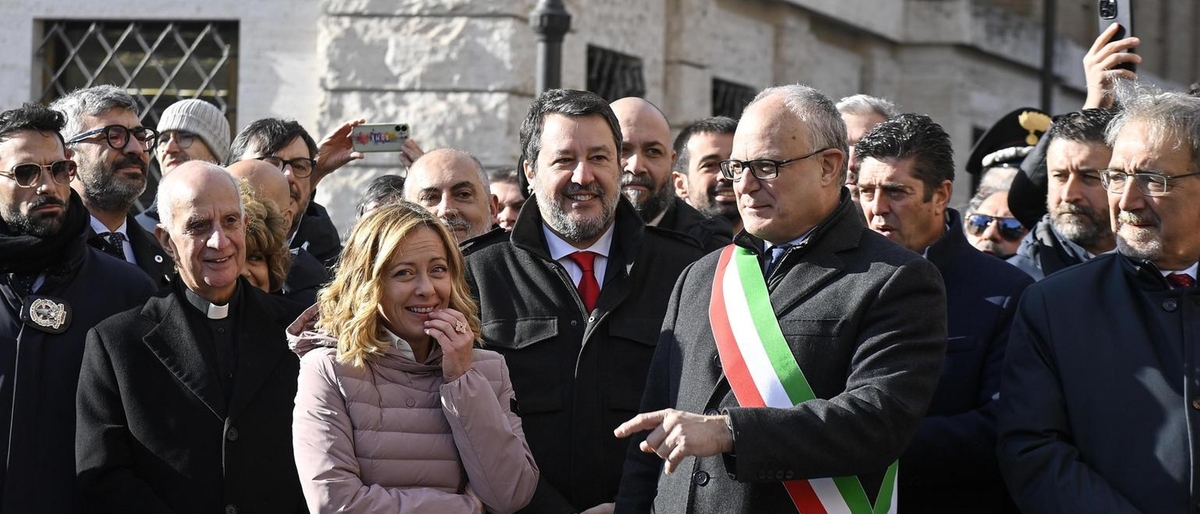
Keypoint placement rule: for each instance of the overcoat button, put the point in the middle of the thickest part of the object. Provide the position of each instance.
(231, 509)
(1170, 305)
(700, 478)
(231, 434)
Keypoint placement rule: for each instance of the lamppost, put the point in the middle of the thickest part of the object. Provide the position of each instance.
(550, 21)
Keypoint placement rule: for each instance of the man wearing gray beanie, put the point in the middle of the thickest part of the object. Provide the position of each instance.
(188, 130)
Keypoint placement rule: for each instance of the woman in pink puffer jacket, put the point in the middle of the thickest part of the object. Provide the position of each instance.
(396, 411)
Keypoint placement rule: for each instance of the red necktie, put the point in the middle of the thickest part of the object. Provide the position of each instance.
(589, 288)
(1178, 280)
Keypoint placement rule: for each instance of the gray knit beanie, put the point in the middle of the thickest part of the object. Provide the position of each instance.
(200, 118)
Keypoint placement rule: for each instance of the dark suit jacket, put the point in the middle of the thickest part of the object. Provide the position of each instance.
(950, 466)
(318, 235)
(866, 320)
(1098, 403)
(306, 276)
(576, 374)
(147, 252)
(155, 433)
(711, 233)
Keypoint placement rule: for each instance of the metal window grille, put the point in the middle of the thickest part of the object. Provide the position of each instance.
(614, 75)
(157, 62)
(730, 99)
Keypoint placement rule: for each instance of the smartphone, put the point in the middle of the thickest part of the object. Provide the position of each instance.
(379, 137)
(1121, 12)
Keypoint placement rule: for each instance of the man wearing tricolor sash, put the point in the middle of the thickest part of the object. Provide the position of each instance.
(793, 366)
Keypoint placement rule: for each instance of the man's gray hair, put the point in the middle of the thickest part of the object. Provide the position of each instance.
(825, 126)
(866, 104)
(1166, 116)
(91, 101)
(463, 154)
(167, 195)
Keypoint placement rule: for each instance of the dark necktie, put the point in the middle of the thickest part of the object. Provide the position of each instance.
(776, 256)
(1180, 280)
(113, 243)
(589, 288)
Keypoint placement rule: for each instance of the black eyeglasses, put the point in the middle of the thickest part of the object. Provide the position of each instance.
(118, 136)
(181, 138)
(301, 166)
(1009, 228)
(1149, 183)
(762, 169)
(28, 174)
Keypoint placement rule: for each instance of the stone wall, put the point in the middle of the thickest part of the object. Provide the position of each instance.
(275, 62)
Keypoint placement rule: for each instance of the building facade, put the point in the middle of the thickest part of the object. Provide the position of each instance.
(461, 72)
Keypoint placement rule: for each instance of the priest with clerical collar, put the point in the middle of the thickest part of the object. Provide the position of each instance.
(185, 404)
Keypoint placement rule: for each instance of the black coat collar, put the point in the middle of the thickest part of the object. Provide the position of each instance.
(261, 344)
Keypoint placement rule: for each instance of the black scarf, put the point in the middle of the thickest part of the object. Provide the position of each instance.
(24, 253)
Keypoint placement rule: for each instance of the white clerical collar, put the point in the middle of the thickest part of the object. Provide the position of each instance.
(210, 310)
(559, 248)
(99, 227)
(1191, 271)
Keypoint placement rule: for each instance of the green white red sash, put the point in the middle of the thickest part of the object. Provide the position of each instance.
(763, 372)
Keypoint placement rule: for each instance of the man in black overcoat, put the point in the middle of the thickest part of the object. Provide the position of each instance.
(1100, 397)
(185, 405)
(865, 321)
(53, 288)
(577, 337)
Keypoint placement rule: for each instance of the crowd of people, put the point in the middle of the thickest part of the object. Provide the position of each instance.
(778, 313)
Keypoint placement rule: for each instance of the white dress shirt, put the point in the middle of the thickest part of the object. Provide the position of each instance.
(99, 228)
(561, 250)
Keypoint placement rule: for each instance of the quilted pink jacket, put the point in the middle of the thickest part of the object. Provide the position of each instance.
(393, 437)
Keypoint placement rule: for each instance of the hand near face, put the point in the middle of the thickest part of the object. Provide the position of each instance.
(456, 346)
(677, 434)
(335, 151)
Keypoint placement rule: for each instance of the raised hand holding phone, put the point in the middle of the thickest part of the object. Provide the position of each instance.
(1109, 58)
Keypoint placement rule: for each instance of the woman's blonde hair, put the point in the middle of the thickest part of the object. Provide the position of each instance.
(350, 304)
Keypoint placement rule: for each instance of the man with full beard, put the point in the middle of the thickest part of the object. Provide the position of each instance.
(699, 150)
(646, 160)
(1098, 402)
(575, 300)
(53, 288)
(1076, 227)
(112, 148)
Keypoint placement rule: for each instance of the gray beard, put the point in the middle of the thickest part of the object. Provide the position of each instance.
(1149, 249)
(573, 230)
(1080, 233)
(110, 194)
